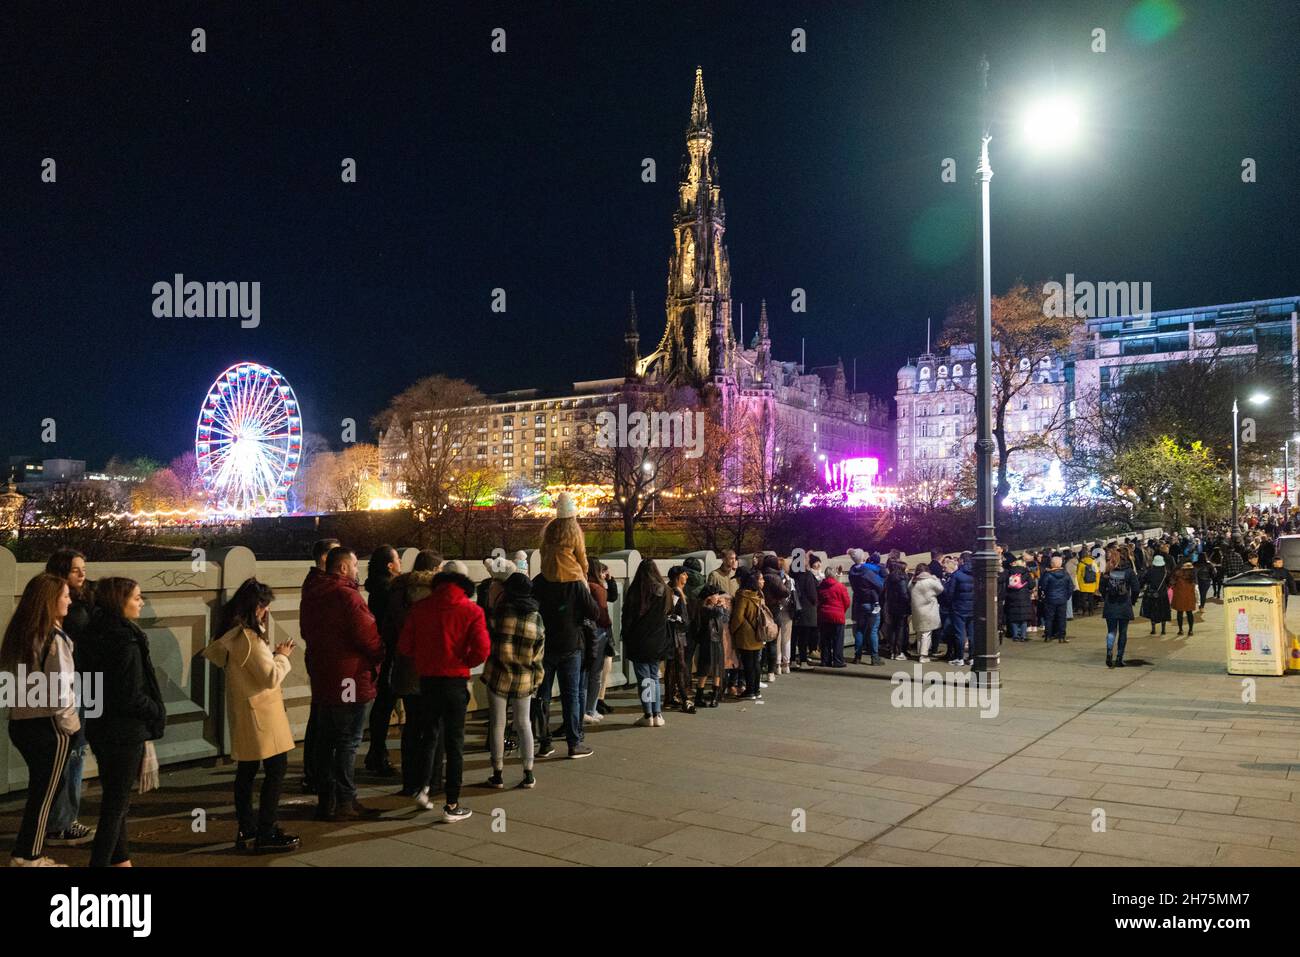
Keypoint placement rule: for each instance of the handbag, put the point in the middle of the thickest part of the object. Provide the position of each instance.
(770, 629)
(148, 776)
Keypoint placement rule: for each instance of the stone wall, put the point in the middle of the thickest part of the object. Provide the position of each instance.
(182, 599)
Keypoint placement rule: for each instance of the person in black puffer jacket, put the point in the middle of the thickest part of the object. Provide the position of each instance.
(646, 640)
(806, 635)
(383, 568)
(1019, 589)
(132, 710)
(1119, 590)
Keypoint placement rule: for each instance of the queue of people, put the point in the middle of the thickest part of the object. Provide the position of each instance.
(693, 642)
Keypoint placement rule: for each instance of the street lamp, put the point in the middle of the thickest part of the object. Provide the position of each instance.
(1052, 122)
(1256, 398)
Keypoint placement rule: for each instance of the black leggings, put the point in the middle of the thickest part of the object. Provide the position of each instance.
(1204, 589)
(119, 769)
(263, 823)
(897, 629)
(1191, 615)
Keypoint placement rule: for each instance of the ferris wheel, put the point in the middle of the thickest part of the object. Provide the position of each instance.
(249, 441)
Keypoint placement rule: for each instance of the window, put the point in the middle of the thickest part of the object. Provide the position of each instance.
(943, 372)
(925, 372)
(540, 420)
(956, 372)
(507, 421)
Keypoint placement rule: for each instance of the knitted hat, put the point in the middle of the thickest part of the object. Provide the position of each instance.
(518, 586)
(565, 507)
(500, 568)
(857, 555)
(694, 564)
(456, 568)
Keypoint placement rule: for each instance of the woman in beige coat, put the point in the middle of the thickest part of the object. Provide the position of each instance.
(259, 726)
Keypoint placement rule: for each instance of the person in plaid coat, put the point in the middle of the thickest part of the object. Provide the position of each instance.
(512, 672)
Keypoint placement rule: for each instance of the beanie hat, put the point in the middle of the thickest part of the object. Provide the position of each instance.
(500, 568)
(857, 555)
(518, 586)
(456, 568)
(694, 564)
(565, 507)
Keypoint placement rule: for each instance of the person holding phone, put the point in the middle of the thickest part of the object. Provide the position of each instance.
(259, 726)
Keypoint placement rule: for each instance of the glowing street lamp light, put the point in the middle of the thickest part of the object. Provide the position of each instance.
(1255, 398)
(1051, 124)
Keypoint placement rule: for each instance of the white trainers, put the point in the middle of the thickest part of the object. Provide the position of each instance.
(659, 721)
(422, 800)
(38, 862)
(762, 684)
(925, 660)
(592, 719)
(645, 721)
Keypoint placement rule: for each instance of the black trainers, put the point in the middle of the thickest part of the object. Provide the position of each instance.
(545, 750)
(496, 781)
(451, 815)
(580, 751)
(529, 781)
(1119, 663)
(603, 708)
(74, 835)
(1110, 662)
(275, 842)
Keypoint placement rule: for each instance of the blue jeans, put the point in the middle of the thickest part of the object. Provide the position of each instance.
(1116, 626)
(962, 632)
(593, 667)
(650, 687)
(866, 621)
(569, 668)
(67, 804)
(1019, 630)
(341, 727)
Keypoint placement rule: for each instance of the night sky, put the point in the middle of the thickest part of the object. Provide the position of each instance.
(523, 171)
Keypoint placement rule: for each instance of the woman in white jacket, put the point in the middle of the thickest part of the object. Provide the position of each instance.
(41, 726)
(259, 726)
(926, 589)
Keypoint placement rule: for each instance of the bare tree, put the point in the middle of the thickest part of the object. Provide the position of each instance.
(1023, 338)
(642, 478)
(429, 423)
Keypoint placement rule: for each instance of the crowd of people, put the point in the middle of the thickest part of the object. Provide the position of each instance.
(693, 641)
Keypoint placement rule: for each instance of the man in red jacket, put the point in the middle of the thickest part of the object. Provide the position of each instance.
(446, 636)
(346, 652)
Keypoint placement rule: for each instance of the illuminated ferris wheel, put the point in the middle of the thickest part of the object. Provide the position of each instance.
(248, 441)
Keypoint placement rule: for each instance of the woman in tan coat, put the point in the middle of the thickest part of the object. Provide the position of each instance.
(259, 726)
(746, 627)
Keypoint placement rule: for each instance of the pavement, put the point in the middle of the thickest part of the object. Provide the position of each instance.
(1159, 763)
